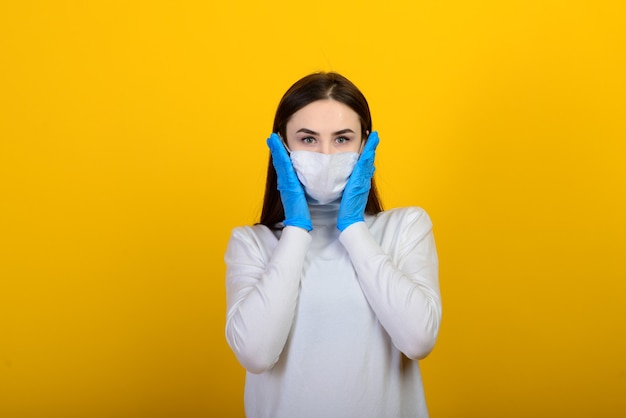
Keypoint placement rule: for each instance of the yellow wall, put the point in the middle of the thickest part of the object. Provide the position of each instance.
(132, 140)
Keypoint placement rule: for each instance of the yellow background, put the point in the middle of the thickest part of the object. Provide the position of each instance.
(132, 140)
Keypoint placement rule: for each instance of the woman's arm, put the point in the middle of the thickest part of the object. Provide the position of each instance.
(262, 286)
(401, 287)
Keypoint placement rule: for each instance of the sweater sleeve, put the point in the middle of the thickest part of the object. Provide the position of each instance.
(262, 286)
(401, 281)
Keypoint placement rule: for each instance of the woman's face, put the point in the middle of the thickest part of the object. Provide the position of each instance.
(325, 126)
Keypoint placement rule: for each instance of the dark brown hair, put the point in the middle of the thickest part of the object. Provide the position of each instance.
(313, 87)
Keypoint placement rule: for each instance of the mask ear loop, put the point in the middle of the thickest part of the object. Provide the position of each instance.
(284, 143)
(363, 141)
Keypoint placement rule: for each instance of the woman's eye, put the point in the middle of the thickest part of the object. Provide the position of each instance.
(308, 140)
(342, 140)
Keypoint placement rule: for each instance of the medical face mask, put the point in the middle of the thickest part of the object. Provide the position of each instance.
(324, 176)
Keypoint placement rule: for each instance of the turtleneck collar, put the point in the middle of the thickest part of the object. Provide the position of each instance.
(324, 214)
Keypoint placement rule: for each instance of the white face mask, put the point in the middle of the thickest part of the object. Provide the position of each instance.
(324, 176)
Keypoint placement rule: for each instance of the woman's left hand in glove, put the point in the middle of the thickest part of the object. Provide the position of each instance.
(354, 199)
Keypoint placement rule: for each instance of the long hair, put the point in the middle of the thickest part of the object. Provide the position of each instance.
(313, 87)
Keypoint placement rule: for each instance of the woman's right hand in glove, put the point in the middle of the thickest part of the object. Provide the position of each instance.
(290, 188)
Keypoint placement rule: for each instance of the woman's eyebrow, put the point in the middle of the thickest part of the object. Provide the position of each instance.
(307, 131)
(310, 132)
(344, 131)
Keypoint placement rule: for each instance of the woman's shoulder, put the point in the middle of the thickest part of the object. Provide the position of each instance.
(404, 215)
(256, 232)
(411, 219)
(253, 240)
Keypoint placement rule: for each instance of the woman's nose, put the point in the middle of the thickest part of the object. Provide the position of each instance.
(325, 148)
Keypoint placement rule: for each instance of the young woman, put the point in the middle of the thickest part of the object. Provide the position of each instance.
(331, 300)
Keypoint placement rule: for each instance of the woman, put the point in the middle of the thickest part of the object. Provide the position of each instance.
(331, 301)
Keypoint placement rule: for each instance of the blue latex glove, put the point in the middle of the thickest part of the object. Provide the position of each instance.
(291, 191)
(354, 199)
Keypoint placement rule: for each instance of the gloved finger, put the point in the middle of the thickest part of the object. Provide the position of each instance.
(366, 160)
(277, 149)
(286, 174)
(371, 144)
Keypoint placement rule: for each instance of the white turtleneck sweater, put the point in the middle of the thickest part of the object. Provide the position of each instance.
(332, 324)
